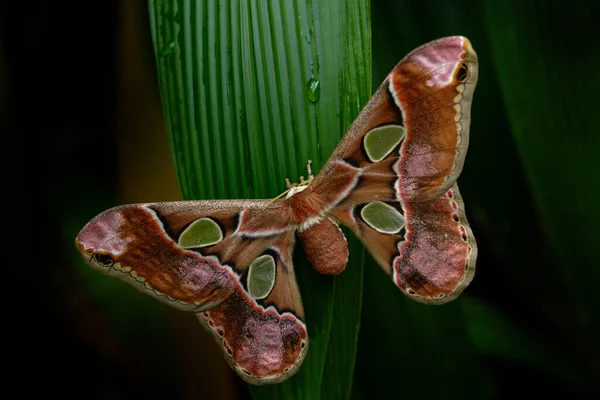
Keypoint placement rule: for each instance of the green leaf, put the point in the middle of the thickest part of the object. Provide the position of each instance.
(252, 90)
(560, 150)
(414, 350)
(548, 76)
(496, 335)
(533, 135)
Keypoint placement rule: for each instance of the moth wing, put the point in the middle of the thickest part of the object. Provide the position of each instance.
(426, 247)
(230, 257)
(262, 330)
(390, 177)
(154, 247)
(410, 141)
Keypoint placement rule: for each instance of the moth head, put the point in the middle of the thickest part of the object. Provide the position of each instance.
(295, 190)
(298, 187)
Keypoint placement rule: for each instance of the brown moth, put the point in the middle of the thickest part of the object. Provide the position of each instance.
(391, 180)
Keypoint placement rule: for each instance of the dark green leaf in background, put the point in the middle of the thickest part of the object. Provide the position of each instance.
(526, 40)
(547, 64)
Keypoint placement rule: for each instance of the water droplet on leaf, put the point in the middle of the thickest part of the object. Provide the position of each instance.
(314, 89)
(168, 49)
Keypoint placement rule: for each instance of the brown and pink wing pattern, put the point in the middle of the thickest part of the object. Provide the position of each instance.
(436, 257)
(392, 178)
(228, 261)
(430, 253)
(263, 342)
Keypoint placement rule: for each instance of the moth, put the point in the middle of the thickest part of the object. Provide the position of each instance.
(391, 181)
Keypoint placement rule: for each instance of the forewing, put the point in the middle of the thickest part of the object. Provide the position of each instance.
(189, 254)
(410, 140)
(433, 86)
(146, 245)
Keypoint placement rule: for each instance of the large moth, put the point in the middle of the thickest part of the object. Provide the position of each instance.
(391, 180)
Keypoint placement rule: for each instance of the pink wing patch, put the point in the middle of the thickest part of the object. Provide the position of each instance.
(433, 87)
(436, 260)
(131, 244)
(262, 345)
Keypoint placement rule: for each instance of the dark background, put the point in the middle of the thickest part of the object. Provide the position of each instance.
(82, 130)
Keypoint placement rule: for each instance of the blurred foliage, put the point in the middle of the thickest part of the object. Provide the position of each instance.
(82, 131)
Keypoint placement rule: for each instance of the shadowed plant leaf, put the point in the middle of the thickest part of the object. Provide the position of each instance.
(494, 334)
(529, 193)
(546, 70)
(414, 350)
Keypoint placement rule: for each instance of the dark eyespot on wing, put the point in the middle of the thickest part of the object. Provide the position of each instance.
(103, 259)
(463, 72)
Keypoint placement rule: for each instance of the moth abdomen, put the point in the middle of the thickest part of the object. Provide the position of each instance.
(325, 246)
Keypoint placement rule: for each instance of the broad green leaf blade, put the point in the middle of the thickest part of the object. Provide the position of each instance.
(341, 354)
(352, 21)
(252, 90)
